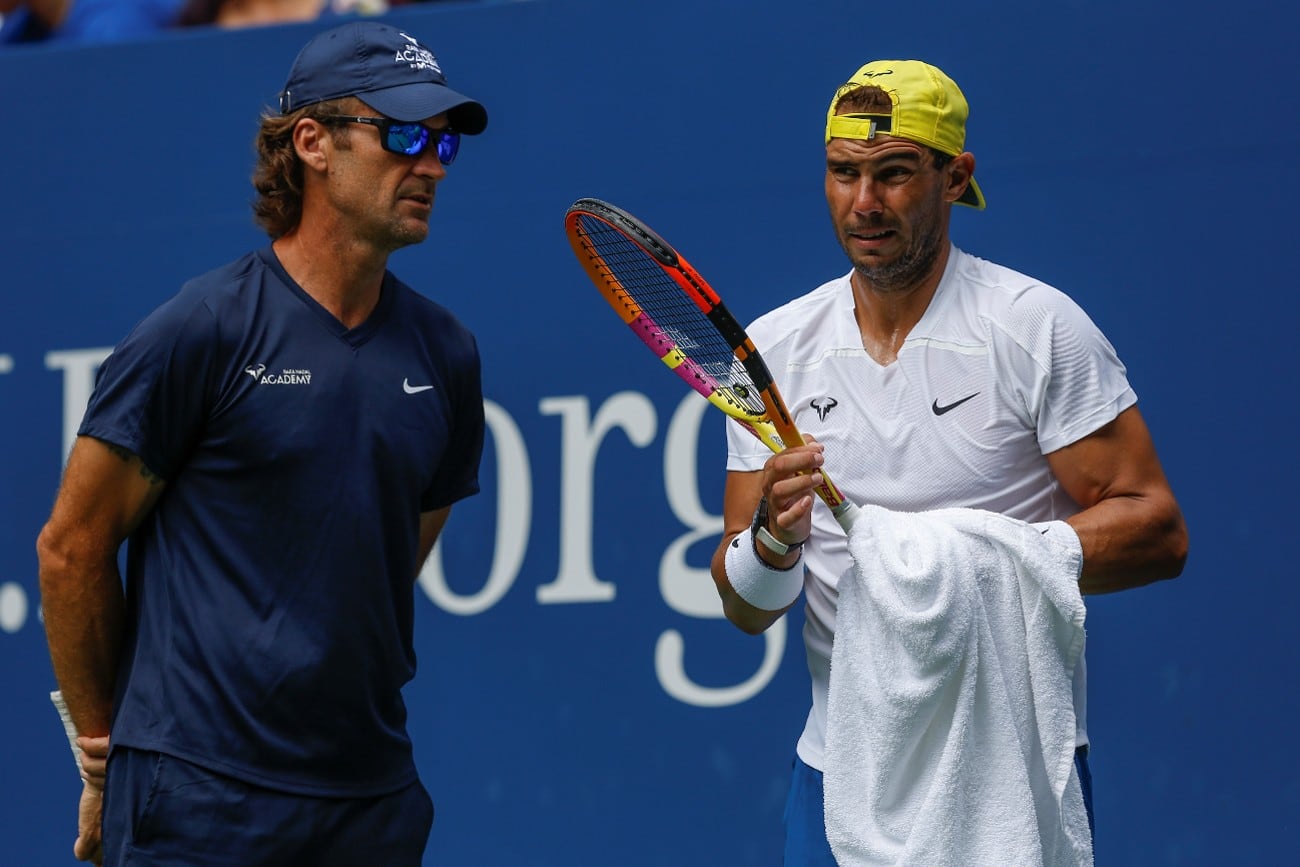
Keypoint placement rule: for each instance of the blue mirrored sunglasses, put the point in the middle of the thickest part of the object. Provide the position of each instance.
(409, 138)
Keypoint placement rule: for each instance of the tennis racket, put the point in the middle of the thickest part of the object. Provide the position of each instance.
(683, 321)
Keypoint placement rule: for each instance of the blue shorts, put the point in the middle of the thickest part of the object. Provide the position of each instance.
(805, 821)
(161, 810)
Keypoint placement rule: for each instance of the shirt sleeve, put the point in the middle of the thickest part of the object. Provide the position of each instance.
(1072, 380)
(152, 393)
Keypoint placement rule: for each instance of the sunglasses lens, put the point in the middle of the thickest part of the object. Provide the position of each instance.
(448, 145)
(407, 138)
(412, 138)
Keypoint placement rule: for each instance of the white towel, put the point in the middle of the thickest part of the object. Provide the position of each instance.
(950, 729)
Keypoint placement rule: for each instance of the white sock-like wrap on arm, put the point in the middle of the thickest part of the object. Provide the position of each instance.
(759, 584)
(69, 728)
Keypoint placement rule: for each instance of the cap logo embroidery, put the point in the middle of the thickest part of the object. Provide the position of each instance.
(415, 56)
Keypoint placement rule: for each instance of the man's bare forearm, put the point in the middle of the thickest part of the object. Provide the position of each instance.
(83, 627)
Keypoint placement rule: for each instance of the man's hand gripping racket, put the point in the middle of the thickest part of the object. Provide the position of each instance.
(683, 321)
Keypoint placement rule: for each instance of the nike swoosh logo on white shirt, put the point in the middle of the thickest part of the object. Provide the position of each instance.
(414, 389)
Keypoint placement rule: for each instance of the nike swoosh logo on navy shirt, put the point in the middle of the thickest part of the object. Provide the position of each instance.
(414, 389)
(940, 410)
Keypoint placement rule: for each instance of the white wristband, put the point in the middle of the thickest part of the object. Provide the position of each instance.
(756, 582)
(69, 728)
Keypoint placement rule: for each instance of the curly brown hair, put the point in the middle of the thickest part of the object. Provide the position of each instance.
(277, 177)
(865, 99)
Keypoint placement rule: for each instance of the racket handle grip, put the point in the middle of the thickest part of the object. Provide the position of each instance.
(845, 514)
(844, 510)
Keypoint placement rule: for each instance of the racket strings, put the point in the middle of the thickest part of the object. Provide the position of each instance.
(670, 311)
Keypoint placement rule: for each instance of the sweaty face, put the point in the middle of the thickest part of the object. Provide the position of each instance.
(887, 204)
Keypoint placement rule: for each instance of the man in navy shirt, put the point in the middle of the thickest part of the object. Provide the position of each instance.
(281, 442)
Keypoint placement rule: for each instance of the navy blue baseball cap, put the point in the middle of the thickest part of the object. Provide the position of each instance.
(387, 69)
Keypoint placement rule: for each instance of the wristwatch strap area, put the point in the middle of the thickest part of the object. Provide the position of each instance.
(764, 537)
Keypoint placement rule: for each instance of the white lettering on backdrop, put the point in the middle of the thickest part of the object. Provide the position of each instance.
(686, 589)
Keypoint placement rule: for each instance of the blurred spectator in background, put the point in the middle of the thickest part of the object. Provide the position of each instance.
(83, 20)
(110, 20)
(254, 13)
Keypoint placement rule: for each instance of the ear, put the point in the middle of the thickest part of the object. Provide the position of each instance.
(311, 140)
(960, 170)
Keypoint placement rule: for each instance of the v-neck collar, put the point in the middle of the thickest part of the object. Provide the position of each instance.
(352, 336)
(851, 337)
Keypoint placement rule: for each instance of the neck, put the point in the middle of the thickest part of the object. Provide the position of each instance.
(343, 277)
(886, 314)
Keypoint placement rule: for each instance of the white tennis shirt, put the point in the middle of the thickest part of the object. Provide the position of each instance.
(1000, 371)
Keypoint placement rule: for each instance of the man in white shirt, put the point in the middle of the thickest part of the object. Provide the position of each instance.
(927, 378)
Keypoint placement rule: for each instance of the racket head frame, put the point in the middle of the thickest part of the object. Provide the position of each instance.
(769, 418)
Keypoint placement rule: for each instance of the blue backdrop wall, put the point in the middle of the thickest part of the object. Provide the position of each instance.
(580, 699)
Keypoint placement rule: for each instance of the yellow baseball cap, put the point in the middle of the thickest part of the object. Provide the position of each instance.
(929, 109)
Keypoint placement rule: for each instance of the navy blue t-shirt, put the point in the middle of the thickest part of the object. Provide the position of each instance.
(271, 591)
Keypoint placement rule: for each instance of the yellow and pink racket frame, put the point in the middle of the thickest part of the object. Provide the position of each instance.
(771, 424)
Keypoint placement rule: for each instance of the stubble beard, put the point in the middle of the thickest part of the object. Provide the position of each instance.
(398, 233)
(405, 236)
(912, 267)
